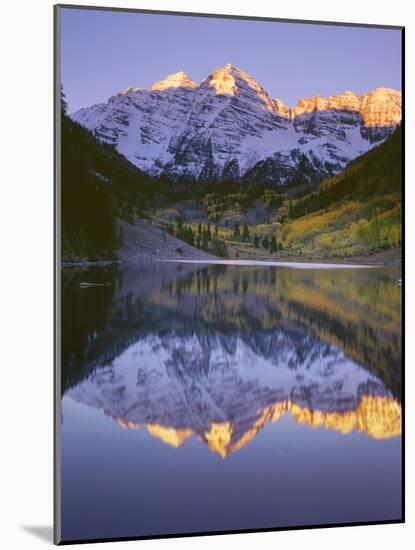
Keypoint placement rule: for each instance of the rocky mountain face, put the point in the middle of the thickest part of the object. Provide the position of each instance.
(225, 390)
(228, 127)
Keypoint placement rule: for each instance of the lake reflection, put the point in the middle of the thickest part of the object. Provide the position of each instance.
(239, 363)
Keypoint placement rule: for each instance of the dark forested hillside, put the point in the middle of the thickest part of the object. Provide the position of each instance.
(376, 173)
(98, 185)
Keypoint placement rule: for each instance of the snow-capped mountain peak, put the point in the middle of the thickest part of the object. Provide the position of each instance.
(176, 80)
(230, 80)
(132, 89)
(228, 127)
(380, 107)
(223, 80)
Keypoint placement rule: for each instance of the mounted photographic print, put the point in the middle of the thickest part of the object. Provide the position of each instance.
(228, 281)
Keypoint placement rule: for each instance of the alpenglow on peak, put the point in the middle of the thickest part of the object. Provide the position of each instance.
(229, 128)
(176, 80)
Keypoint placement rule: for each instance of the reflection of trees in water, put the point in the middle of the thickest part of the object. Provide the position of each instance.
(84, 319)
(356, 310)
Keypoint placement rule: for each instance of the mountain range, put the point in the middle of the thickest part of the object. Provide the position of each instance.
(227, 394)
(229, 128)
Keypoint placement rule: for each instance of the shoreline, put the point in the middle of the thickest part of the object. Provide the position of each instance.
(358, 261)
(89, 263)
(310, 263)
(346, 263)
(275, 263)
(382, 259)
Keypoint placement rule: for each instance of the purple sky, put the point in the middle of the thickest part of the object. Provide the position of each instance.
(103, 52)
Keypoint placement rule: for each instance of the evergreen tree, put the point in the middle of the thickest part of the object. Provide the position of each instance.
(120, 240)
(205, 245)
(188, 235)
(273, 244)
(245, 234)
(218, 248)
(64, 103)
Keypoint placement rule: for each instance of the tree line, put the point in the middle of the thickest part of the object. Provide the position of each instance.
(204, 238)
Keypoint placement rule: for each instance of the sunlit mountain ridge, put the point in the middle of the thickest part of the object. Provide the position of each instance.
(176, 387)
(228, 127)
(376, 416)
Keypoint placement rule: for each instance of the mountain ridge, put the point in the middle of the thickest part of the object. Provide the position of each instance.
(235, 392)
(227, 126)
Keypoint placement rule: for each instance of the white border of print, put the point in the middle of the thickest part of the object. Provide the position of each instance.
(26, 219)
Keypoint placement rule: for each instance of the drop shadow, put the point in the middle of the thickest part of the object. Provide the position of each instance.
(43, 532)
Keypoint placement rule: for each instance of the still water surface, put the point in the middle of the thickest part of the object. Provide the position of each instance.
(212, 397)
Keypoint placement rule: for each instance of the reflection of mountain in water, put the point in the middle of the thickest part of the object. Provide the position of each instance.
(225, 389)
(356, 312)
